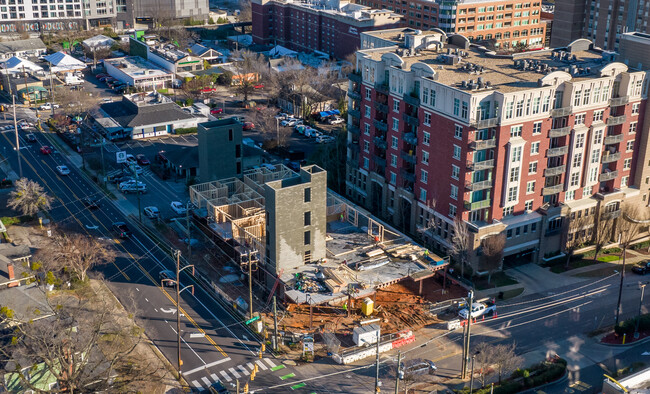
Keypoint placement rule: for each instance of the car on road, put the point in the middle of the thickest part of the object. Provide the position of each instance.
(48, 106)
(411, 368)
(178, 207)
(30, 137)
(218, 388)
(259, 86)
(122, 230)
(63, 170)
(151, 212)
(248, 126)
(142, 160)
(215, 111)
(91, 203)
(167, 277)
(642, 268)
(46, 150)
(335, 120)
(132, 167)
(208, 90)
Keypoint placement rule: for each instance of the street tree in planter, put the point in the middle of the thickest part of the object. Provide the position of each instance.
(29, 197)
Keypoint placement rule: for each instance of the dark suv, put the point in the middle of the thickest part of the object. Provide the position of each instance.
(122, 229)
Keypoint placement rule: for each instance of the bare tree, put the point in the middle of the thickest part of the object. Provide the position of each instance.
(75, 253)
(245, 11)
(460, 244)
(629, 225)
(248, 67)
(266, 123)
(29, 197)
(505, 360)
(73, 102)
(492, 255)
(575, 233)
(483, 358)
(603, 233)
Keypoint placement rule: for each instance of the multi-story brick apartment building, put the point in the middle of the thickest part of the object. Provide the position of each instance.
(507, 22)
(601, 22)
(326, 25)
(440, 129)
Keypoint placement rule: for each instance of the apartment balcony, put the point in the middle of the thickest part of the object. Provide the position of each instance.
(379, 170)
(379, 125)
(613, 139)
(559, 112)
(354, 95)
(616, 101)
(550, 190)
(411, 120)
(380, 142)
(480, 165)
(559, 151)
(476, 205)
(414, 101)
(355, 77)
(353, 129)
(379, 160)
(608, 176)
(355, 113)
(484, 123)
(408, 176)
(611, 215)
(476, 186)
(381, 107)
(354, 147)
(410, 138)
(553, 171)
(615, 120)
(483, 144)
(408, 157)
(381, 88)
(611, 157)
(559, 132)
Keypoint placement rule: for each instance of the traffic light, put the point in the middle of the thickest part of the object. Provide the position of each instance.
(246, 388)
(264, 347)
(256, 368)
(253, 375)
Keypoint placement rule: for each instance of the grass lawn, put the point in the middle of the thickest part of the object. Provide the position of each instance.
(498, 279)
(561, 267)
(608, 258)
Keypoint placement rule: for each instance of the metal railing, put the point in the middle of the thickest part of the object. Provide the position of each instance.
(381, 107)
(354, 130)
(380, 142)
(483, 144)
(549, 190)
(616, 120)
(379, 125)
(484, 123)
(613, 139)
(476, 186)
(379, 160)
(408, 157)
(480, 165)
(616, 101)
(557, 112)
(608, 176)
(553, 171)
(381, 88)
(355, 113)
(559, 132)
(410, 138)
(355, 77)
(411, 120)
(473, 206)
(354, 95)
(414, 101)
(611, 157)
(559, 151)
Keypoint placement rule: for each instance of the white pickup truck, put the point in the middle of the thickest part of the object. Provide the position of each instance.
(72, 80)
(478, 309)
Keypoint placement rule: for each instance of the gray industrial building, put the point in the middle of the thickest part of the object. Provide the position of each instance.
(296, 224)
(134, 12)
(220, 149)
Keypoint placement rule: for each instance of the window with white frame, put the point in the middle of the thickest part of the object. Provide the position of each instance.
(627, 164)
(577, 160)
(423, 195)
(633, 127)
(454, 192)
(426, 137)
(586, 95)
(537, 128)
(580, 141)
(455, 171)
(580, 119)
(516, 154)
(432, 98)
(456, 152)
(576, 98)
(570, 195)
(586, 192)
(509, 108)
(395, 105)
(458, 132)
(629, 147)
(366, 146)
(393, 178)
(368, 94)
(366, 163)
(507, 211)
(464, 110)
(635, 108)
(456, 107)
(425, 95)
(638, 85)
(425, 157)
(534, 148)
(530, 187)
(528, 205)
(575, 178)
(427, 119)
(519, 111)
(593, 174)
(598, 115)
(367, 112)
(595, 156)
(452, 210)
(515, 131)
(424, 176)
(514, 174)
(366, 129)
(624, 181)
(598, 137)
(395, 124)
(532, 168)
(512, 194)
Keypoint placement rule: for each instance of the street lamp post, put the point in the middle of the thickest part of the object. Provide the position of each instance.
(20, 164)
(471, 375)
(638, 319)
(620, 287)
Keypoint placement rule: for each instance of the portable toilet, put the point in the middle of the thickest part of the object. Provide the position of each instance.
(367, 306)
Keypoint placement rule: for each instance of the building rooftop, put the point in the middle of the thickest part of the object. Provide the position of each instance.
(343, 8)
(143, 99)
(22, 45)
(453, 61)
(137, 67)
(142, 109)
(168, 51)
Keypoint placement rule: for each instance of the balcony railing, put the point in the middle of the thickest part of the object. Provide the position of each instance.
(558, 112)
(615, 120)
(559, 151)
(379, 125)
(408, 176)
(354, 130)
(476, 186)
(484, 123)
(608, 176)
(414, 101)
(380, 142)
(410, 138)
(480, 165)
(550, 190)
(483, 144)
(354, 95)
(381, 107)
(611, 157)
(476, 205)
(616, 101)
(379, 160)
(553, 171)
(355, 113)
(381, 88)
(408, 157)
(354, 77)
(611, 215)
(411, 120)
(559, 132)
(613, 139)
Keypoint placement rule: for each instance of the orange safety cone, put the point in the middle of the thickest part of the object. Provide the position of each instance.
(483, 319)
(495, 314)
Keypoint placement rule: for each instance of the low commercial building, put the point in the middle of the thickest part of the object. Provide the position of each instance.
(98, 42)
(211, 55)
(142, 115)
(61, 62)
(31, 47)
(166, 55)
(138, 72)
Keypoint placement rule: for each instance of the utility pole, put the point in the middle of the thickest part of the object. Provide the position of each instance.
(311, 315)
(20, 164)
(51, 92)
(636, 329)
(250, 285)
(237, 386)
(137, 189)
(103, 164)
(471, 375)
(620, 287)
(189, 232)
(467, 338)
(178, 307)
(399, 362)
(275, 324)
(377, 362)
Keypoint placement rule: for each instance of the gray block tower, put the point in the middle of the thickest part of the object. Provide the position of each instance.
(220, 149)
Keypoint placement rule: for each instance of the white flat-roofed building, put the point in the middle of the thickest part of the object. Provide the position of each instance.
(137, 72)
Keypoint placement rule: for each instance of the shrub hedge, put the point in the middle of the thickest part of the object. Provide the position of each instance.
(628, 326)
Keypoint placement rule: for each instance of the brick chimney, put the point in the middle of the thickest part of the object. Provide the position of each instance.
(11, 274)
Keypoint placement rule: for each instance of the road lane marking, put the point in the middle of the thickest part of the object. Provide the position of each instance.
(243, 370)
(235, 373)
(261, 364)
(250, 366)
(206, 381)
(188, 345)
(225, 376)
(270, 363)
(206, 366)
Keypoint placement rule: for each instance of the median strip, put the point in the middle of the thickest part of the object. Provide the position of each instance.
(289, 376)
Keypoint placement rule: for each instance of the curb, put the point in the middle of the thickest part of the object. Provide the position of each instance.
(644, 340)
(562, 379)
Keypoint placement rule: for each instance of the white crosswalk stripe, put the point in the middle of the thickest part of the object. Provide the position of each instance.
(243, 370)
(250, 366)
(206, 381)
(261, 364)
(235, 373)
(270, 363)
(215, 378)
(225, 376)
(196, 384)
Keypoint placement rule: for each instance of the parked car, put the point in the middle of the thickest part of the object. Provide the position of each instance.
(335, 120)
(167, 277)
(142, 160)
(288, 122)
(48, 106)
(416, 366)
(63, 170)
(101, 75)
(30, 137)
(133, 167)
(282, 116)
(325, 139)
(178, 207)
(208, 90)
(642, 268)
(46, 150)
(259, 86)
(151, 212)
(248, 126)
(215, 111)
(122, 230)
(91, 203)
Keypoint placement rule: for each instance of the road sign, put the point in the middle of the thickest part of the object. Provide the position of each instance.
(121, 157)
(249, 321)
(308, 347)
